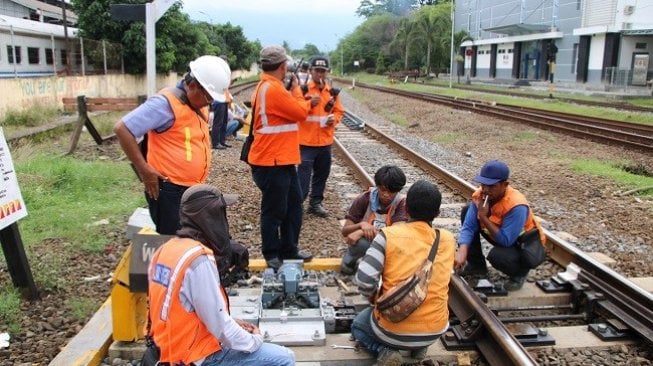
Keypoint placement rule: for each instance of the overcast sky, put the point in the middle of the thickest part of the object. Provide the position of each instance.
(298, 22)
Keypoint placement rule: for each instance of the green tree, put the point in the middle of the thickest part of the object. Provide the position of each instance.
(380, 63)
(404, 37)
(434, 29)
(363, 45)
(178, 40)
(370, 8)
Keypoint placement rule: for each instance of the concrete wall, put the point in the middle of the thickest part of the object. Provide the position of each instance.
(21, 94)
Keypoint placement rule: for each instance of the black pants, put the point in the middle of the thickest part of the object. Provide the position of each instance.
(504, 259)
(165, 210)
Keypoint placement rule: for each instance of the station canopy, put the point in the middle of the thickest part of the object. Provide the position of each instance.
(519, 29)
(638, 32)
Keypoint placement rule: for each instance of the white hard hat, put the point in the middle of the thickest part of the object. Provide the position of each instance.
(213, 73)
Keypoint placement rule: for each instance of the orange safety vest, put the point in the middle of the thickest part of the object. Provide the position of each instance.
(407, 246)
(313, 131)
(181, 336)
(276, 141)
(370, 215)
(500, 209)
(183, 152)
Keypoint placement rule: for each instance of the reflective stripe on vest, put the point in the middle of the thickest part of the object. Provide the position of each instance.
(267, 129)
(321, 119)
(173, 278)
(182, 152)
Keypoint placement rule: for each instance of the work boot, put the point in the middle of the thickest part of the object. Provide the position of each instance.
(274, 263)
(315, 207)
(389, 357)
(515, 283)
(419, 354)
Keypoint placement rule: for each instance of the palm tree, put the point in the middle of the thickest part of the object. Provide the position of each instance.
(433, 25)
(404, 37)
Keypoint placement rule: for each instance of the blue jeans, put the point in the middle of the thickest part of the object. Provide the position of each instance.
(219, 128)
(165, 210)
(281, 210)
(361, 329)
(504, 259)
(233, 126)
(316, 162)
(268, 354)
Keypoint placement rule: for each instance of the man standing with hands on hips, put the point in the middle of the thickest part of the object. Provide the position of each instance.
(316, 135)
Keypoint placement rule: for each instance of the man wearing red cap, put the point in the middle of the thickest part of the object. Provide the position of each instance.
(501, 214)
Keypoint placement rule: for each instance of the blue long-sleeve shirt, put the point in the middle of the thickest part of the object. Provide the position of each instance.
(511, 226)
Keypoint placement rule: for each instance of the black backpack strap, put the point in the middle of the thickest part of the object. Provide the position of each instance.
(434, 247)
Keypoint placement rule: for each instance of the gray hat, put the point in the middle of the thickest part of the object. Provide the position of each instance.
(272, 55)
(207, 191)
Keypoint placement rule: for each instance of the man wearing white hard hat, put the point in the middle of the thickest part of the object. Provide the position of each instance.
(176, 153)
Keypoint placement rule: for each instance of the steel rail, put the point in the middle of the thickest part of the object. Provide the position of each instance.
(500, 345)
(609, 135)
(592, 103)
(632, 303)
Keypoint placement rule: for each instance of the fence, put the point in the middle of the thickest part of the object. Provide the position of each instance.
(618, 78)
(92, 57)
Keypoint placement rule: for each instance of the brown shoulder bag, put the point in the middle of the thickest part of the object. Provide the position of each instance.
(402, 299)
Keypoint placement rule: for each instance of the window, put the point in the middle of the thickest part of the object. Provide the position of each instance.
(578, 4)
(640, 45)
(502, 50)
(49, 56)
(64, 57)
(509, 50)
(33, 55)
(574, 58)
(10, 54)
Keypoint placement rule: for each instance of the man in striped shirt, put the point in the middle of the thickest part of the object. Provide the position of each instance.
(395, 254)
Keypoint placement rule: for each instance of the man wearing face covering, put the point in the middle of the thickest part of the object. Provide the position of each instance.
(189, 308)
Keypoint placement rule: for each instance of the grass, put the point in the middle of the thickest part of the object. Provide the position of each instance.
(397, 119)
(617, 172)
(543, 103)
(37, 115)
(104, 122)
(81, 307)
(9, 310)
(525, 136)
(447, 138)
(66, 198)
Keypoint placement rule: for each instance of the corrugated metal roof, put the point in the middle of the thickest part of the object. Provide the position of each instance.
(30, 26)
(48, 10)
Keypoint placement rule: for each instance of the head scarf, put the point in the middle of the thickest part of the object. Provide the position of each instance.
(203, 217)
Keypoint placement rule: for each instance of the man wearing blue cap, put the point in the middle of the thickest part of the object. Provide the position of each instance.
(501, 214)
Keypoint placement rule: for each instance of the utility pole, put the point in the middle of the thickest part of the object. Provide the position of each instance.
(342, 62)
(65, 37)
(453, 18)
(150, 13)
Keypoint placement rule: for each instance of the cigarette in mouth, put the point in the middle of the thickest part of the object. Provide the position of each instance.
(485, 202)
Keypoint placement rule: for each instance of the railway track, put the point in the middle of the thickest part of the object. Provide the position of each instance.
(593, 103)
(497, 348)
(633, 136)
(608, 298)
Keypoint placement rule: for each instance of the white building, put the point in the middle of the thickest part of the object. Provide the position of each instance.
(33, 38)
(596, 41)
